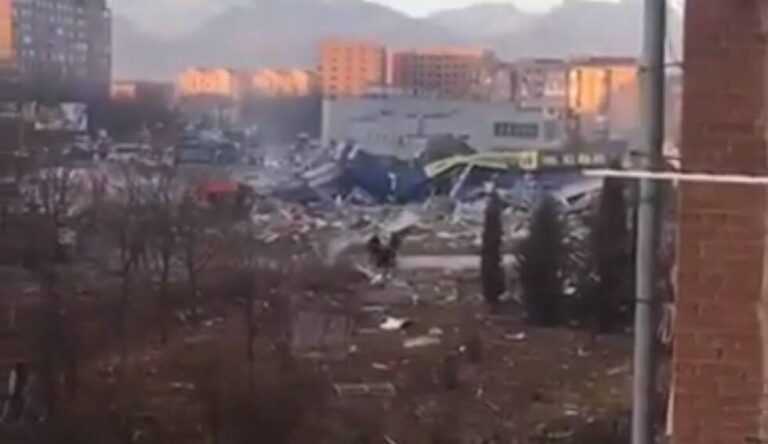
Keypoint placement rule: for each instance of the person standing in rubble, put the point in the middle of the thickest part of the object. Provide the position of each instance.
(383, 255)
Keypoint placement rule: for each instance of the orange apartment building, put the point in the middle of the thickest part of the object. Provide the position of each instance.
(7, 46)
(603, 96)
(349, 68)
(455, 73)
(284, 83)
(219, 82)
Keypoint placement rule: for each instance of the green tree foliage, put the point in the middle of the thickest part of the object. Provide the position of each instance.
(542, 256)
(492, 273)
(612, 255)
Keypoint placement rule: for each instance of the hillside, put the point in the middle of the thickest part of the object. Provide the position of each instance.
(262, 35)
(484, 21)
(286, 32)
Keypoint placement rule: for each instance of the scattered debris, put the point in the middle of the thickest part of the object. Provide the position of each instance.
(436, 331)
(384, 389)
(395, 324)
(183, 386)
(522, 336)
(495, 408)
(618, 370)
(213, 322)
(421, 341)
(314, 332)
(571, 410)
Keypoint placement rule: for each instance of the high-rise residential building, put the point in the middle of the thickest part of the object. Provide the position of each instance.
(61, 48)
(350, 68)
(450, 73)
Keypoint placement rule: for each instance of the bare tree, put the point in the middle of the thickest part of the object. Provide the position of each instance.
(126, 219)
(57, 347)
(163, 242)
(51, 199)
(195, 241)
(244, 246)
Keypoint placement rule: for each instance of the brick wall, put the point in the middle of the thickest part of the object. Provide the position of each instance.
(721, 332)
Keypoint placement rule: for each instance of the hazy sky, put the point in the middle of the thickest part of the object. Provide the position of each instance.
(171, 16)
(423, 7)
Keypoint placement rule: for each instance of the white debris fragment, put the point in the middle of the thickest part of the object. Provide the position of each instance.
(421, 341)
(395, 324)
(436, 331)
(187, 386)
(522, 336)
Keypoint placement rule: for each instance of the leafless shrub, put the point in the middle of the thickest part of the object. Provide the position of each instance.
(125, 220)
(163, 243)
(275, 410)
(105, 416)
(197, 241)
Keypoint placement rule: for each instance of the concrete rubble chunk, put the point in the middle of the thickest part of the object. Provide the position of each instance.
(395, 324)
(421, 341)
(383, 389)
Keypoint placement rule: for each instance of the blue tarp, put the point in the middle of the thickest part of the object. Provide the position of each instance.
(386, 179)
(390, 180)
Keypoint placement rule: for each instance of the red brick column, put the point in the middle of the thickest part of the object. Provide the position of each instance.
(720, 329)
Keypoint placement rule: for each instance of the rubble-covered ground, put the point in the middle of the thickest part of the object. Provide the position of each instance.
(339, 355)
(384, 359)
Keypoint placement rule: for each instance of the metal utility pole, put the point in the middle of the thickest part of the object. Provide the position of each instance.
(653, 79)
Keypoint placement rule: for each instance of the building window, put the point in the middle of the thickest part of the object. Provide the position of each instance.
(518, 130)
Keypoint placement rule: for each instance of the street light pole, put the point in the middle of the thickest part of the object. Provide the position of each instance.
(653, 77)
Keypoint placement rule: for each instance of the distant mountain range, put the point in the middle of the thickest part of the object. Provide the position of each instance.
(484, 21)
(285, 33)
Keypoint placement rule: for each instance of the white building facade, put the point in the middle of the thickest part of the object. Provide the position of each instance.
(402, 125)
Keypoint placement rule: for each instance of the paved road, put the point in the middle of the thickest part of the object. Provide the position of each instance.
(445, 262)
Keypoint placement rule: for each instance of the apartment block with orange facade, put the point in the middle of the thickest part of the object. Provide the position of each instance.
(284, 83)
(218, 82)
(603, 96)
(455, 73)
(349, 68)
(7, 46)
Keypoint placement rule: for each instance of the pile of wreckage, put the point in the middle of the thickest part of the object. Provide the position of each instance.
(352, 194)
(348, 174)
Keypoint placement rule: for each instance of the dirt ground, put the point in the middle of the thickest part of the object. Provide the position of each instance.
(469, 375)
(514, 383)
